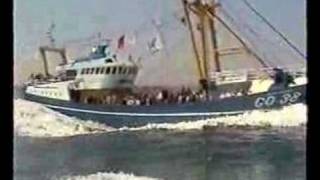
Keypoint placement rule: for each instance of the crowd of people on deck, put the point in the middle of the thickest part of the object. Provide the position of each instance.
(185, 95)
(166, 97)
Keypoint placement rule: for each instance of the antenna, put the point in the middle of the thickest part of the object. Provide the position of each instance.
(50, 35)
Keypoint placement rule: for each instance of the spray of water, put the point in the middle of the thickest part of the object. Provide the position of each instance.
(106, 176)
(291, 116)
(33, 119)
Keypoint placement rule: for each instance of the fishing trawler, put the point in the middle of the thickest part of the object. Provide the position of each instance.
(102, 88)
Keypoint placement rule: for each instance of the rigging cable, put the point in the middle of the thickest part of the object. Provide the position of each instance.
(249, 32)
(248, 38)
(274, 29)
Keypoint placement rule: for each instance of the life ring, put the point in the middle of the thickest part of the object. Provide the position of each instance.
(130, 102)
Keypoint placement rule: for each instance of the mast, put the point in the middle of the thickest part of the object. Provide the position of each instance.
(50, 35)
(206, 14)
(212, 16)
(204, 38)
(214, 39)
(52, 44)
(51, 48)
(190, 27)
(200, 10)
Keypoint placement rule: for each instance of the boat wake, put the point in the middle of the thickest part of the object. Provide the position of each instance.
(33, 119)
(291, 116)
(106, 176)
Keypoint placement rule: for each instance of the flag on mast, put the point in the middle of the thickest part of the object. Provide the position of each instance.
(121, 42)
(155, 44)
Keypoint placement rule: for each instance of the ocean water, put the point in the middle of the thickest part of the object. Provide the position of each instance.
(255, 146)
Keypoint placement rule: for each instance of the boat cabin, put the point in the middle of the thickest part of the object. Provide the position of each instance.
(97, 74)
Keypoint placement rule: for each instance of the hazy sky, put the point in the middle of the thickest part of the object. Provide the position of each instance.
(80, 19)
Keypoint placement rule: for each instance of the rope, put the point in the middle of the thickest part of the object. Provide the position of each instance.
(228, 16)
(249, 32)
(274, 29)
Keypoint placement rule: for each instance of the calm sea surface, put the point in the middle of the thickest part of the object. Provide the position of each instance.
(220, 153)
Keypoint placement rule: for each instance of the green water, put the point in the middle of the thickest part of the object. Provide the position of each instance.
(226, 154)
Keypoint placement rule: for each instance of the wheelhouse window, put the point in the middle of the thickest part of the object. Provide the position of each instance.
(124, 70)
(82, 71)
(92, 70)
(114, 69)
(108, 60)
(97, 70)
(108, 70)
(102, 70)
(120, 70)
(71, 74)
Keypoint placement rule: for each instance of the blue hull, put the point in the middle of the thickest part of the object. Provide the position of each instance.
(132, 116)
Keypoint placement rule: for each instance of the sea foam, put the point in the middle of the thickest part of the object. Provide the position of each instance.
(33, 119)
(290, 116)
(106, 176)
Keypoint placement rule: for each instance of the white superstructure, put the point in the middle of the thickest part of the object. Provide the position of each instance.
(55, 90)
(98, 71)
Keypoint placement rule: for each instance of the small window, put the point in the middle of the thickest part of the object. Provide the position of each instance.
(92, 70)
(108, 70)
(71, 74)
(124, 70)
(102, 70)
(97, 70)
(108, 61)
(82, 71)
(114, 70)
(87, 70)
(120, 70)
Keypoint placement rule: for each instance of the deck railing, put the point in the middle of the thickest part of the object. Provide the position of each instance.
(226, 77)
